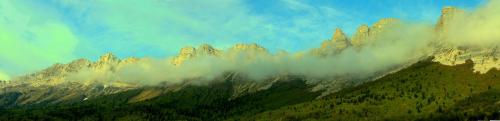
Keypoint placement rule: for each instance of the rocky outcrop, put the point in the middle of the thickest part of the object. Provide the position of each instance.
(484, 58)
(360, 36)
(253, 47)
(248, 52)
(335, 45)
(447, 15)
(206, 49)
(54, 74)
(187, 53)
(242, 86)
(382, 24)
(340, 37)
(338, 42)
(184, 54)
(107, 58)
(365, 35)
(52, 85)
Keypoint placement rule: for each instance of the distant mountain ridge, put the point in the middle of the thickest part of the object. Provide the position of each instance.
(52, 85)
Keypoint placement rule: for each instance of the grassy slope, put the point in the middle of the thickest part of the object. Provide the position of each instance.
(424, 91)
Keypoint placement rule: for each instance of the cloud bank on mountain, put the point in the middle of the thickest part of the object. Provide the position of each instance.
(397, 44)
(477, 28)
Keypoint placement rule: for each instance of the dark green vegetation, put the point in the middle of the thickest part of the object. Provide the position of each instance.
(423, 91)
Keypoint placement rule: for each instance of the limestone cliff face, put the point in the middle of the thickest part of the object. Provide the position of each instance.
(338, 42)
(484, 58)
(110, 63)
(107, 59)
(335, 45)
(55, 74)
(106, 62)
(365, 35)
(248, 47)
(249, 50)
(187, 53)
(128, 61)
(360, 36)
(184, 54)
(206, 49)
(382, 25)
(51, 85)
(447, 15)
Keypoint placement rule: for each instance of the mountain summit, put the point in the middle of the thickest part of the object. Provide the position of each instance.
(338, 42)
(447, 15)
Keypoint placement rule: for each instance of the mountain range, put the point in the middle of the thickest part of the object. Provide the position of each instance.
(443, 81)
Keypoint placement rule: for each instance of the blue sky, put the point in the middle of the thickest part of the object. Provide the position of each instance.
(37, 33)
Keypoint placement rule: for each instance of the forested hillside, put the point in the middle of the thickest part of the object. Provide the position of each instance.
(424, 91)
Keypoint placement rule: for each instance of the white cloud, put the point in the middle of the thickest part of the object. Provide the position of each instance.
(477, 28)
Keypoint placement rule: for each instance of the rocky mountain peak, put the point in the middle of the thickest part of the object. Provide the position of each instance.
(360, 35)
(108, 57)
(187, 51)
(364, 33)
(447, 14)
(337, 44)
(248, 47)
(206, 47)
(383, 23)
(207, 50)
(184, 54)
(190, 52)
(339, 36)
(78, 64)
(106, 62)
(129, 60)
